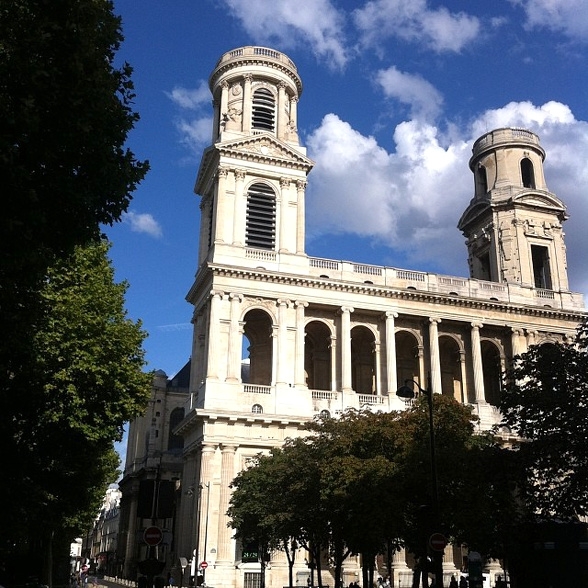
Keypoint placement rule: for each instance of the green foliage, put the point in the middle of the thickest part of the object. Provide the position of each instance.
(546, 403)
(65, 113)
(86, 382)
(361, 482)
(70, 362)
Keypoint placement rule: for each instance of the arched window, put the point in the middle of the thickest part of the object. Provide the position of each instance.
(492, 368)
(449, 358)
(260, 228)
(257, 347)
(264, 110)
(317, 356)
(257, 409)
(175, 442)
(363, 365)
(527, 173)
(325, 414)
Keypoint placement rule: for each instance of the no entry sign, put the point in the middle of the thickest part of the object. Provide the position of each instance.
(437, 542)
(153, 536)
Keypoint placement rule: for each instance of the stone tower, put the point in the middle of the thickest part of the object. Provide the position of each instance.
(253, 177)
(513, 225)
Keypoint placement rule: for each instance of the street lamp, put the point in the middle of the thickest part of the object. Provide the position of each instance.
(407, 393)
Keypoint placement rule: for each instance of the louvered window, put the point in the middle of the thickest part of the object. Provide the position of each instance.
(261, 217)
(264, 110)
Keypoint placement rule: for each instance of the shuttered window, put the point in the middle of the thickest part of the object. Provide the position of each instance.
(264, 110)
(261, 217)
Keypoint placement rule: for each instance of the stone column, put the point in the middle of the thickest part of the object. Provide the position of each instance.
(282, 130)
(247, 103)
(346, 348)
(334, 363)
(448, 561)
(377, 359)
(434, 355)
(283, 233)
(240, 209)
(464, 376)
(299, 379)
(221, 233)
(478, 367)
(517, 344)
(294, 113)
(213, 319)
(282, 363)
(204, 491)
(531, 338)
(131, 543)
(225, 543)
(391, 371)
(421, 359)
(300, 220)
(205, 236)
(235, 341)
(220, 110)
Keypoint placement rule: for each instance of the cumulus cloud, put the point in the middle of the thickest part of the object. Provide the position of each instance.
(415, 21)
(143, 223)
(314, 23)
(422, 97)
(192, 99)
(567, 16)
(194, 121)
(411, 196)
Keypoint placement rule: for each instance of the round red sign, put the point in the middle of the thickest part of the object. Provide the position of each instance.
(203, 565)
(437, 542)
(153, 536)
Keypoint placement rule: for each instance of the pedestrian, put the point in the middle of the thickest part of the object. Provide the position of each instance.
(453, 582)
(463, 583)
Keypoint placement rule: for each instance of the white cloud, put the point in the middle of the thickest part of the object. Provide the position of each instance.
(314, 23)
(143, 223)
(567, 16)
(192, 99)
(423, 98)
(411, 198)
(196, 132)
(194, 122)
(414, 21)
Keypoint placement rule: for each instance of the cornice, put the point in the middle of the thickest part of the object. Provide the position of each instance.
(389, 293)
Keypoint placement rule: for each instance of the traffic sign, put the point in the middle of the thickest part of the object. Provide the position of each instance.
(203, 565)
(153, 536)
(437, 542)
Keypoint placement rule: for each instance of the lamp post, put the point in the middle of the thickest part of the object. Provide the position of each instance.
(406, 392)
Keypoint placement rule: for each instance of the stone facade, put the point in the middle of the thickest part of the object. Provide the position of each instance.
(321, 335)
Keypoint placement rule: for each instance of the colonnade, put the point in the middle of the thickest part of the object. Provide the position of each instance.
(290, 318)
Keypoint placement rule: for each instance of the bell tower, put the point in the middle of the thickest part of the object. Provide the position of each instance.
(252, 178)
(513, 224)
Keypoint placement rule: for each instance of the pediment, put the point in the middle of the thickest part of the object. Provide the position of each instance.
(476, 209)
(539, 199)
(265, 148)
(262, 149)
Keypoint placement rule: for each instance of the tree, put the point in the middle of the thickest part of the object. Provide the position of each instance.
(546, 404)
(361, 483)
(86, 382)
(65, 113)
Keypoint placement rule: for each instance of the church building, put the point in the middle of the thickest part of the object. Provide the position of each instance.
(320, 336)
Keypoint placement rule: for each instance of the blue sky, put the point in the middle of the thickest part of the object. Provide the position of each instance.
(395, 93)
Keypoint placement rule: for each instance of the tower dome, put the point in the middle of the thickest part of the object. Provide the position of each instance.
(255, 90)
